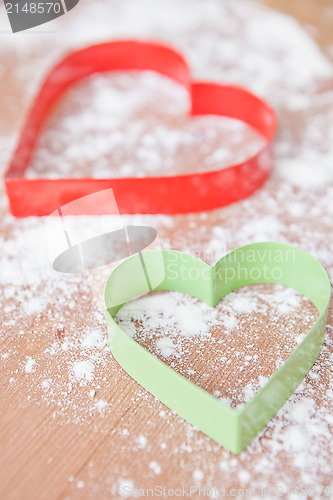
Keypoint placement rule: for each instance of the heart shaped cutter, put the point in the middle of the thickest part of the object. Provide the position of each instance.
(255, 263)
(167, 194)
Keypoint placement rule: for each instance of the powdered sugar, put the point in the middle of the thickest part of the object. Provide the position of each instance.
(84, 370)
(303, 174)
(166, 347)
(29, 366)
(231, 337)
(155, 467)
(141, 122)
(49, 323)
(198, 475)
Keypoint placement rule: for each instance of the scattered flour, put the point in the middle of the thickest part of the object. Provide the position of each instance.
(252, 388)
(126, 486)
(29, 366)
(142, 441)
(155, 467)
(101, 404)
(198, 475)
(84, 370)
(93, 339)
(273, 56)
(303, 174)
(180, 329)
(166, 347)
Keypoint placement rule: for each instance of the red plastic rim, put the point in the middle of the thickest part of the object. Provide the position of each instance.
(148, 195)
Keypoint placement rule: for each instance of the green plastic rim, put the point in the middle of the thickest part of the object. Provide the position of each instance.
(170, 270)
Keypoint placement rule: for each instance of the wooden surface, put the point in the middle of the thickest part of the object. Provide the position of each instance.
(64, 439)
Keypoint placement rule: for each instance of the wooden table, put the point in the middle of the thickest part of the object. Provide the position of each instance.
(62, 439)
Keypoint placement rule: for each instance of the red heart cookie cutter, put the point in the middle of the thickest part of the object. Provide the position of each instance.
(164, 194)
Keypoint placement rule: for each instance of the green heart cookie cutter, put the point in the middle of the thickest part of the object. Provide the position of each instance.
(170, 270)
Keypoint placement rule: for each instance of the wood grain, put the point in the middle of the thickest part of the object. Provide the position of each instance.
(58, 446)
